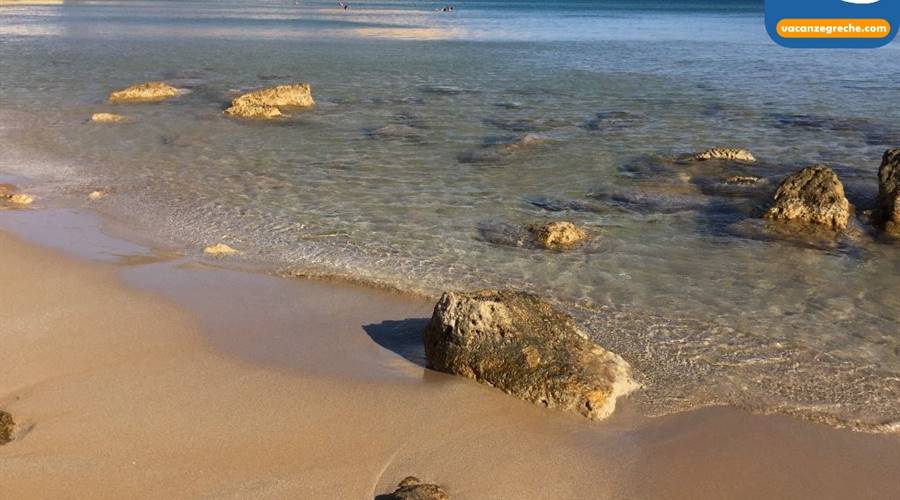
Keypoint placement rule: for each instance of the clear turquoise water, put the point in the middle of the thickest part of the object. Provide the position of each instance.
(707, 304)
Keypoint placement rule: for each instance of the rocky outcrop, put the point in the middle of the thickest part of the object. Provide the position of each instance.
(18, 198)
(267, 103)
(144, 92)
(219, 250)
(106, 118)
(7, 426)
(557, 234)
(889, 191)
(813, 195)
(523, 346)
(730, 154)
(412, 488)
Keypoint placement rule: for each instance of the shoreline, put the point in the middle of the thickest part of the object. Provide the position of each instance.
(323, 396)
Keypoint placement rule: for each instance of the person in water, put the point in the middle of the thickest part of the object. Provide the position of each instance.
(344, 5)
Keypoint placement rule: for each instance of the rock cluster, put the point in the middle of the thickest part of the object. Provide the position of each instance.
(889, 191)
(813, 195)
(518, 343)
(412, 488)
(144, 92)
(267, 103)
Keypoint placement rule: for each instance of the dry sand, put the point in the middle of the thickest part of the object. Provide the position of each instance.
(137, 376)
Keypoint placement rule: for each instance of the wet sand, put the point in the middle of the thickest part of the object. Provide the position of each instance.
(147, 374)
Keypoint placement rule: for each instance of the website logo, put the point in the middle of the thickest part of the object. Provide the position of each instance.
(832, 23)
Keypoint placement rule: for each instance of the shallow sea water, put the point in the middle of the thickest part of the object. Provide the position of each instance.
(680, 276)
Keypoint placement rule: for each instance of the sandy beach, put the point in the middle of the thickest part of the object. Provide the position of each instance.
(142, 374)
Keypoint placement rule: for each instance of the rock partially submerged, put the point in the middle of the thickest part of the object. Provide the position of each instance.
(889, 190)
(813, 195)
(557, 234)
(97, 195)
(144, 92)
(729, 154)
(219, 250)
(412, 488)
(267, 103)
(17, 198)
(7, 426)
(106, 118)
(518, 343)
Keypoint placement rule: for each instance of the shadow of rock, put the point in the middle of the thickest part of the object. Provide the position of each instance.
(402, 337)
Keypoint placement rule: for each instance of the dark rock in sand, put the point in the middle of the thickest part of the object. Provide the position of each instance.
(412, 488)
(518, 343)
(889, 191)
(7, 426)
(813, 195)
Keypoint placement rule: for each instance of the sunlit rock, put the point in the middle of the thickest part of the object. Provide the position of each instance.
(266, 103)
(557, 234)
(7, 426)
(219, 250)
(106, 118)
(523, 346)
(813, 195)
(144, 92)
(412, 488)
(730, 154)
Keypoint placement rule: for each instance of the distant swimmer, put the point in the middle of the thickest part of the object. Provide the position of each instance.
(448, 8)
(344, 5)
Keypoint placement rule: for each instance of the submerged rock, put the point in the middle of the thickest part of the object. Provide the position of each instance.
(144, 92)
(495, 150)
(412, 488)
(614, 121)
(7, 426)
(520, 344)
(106, 117)
(219, 250)
(20, 199)
(730, 154)
(557, 234)
(396, 131)
(813, 195)
(889, 190)
(266, 103)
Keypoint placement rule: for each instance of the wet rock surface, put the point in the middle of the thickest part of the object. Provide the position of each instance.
(889, 191)
(107, 118)
(522, 345)
(267, 103)
(813, 195)
(412, 488)
(730, 154)
(500, 150)
(144, 92)
(557, 234)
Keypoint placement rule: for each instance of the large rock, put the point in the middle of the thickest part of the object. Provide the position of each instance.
(7, 426)
(557, 234)
(889, 190)
(521, 345)
(412, 488)
(813, 195)
(106, 118)
(267, 103)
(144, 92)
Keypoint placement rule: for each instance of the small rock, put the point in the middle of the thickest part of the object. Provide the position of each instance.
(7, 426)
(412, 488)
(265, 103)
(106, 117)
(219, 250)
(730, 154)
(813, 195)
(144, 92)
(96, 195)
(21, 199)
(744, 180)
(523, 346)
(557, 234)
(889, 190)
